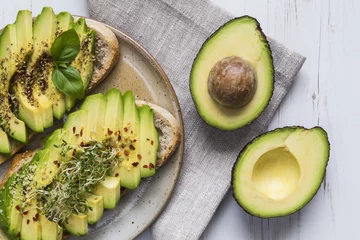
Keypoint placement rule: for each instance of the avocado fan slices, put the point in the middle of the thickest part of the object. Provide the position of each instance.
(82, 167)
(28, 96)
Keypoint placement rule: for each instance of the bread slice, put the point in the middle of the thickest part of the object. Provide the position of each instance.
(165, 123)
(107, 53)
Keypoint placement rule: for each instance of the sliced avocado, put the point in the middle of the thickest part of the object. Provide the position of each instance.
(11, 198)
(148, 142)
(49, 229)
(109, 189)
(77, 224)
(41, 65)
(96, 208)
(95, 105)
(130, 167)
(9, 53)
(75, 125)
(30, 227)
(279, 172)
(44, 84)
(64, 22)
(83, 62)
(27, 112)
(5, 147)
(114, 112)
(24, 34)
(242, 42)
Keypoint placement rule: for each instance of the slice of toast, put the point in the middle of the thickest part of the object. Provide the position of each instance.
(165, 123)
(107, 53)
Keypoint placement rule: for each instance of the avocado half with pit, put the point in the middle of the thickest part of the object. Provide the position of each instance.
(279, 172)
(232, 77)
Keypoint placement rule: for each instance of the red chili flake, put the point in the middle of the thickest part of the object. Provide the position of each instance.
(28, 221)
(116, 175)
(58, 165)
(77, 135)
(132, 147)
(17, 207)
(151, 166)
(123, 145)
(110, 132)
(126, 152)
(134, 140)
(125, 129)
(73, 153)
(139, 156)
(36, 217)
(81, 132)
(74, 130)
(152, 142)
(82, 144)
(55, 162)
(119, 137)
(135, 164)
(26, 212)
(18, 235)
(145, 166)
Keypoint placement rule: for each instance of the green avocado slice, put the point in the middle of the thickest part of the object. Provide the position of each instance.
(279, 172)
(9, 53)
(241, 37)
(83, 62)
(148, 142)
(11, 198)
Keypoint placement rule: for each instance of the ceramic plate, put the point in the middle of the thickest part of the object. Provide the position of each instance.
(138, 71)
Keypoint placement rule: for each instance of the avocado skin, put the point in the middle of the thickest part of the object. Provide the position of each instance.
(266, 42)
(253, 141)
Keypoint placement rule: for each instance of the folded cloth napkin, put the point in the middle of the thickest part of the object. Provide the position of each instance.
(173, 32)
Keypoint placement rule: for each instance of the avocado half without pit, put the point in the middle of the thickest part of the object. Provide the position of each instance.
(232, 77)
(279, 172)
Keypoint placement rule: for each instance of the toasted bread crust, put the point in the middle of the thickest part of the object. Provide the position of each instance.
(107, 41)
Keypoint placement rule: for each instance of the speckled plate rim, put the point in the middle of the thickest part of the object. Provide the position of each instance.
(157, 67)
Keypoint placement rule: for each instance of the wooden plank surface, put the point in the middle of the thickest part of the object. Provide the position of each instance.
(326, 93)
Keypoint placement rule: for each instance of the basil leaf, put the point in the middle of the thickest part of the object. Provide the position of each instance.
(65, 47)
(68, 81)
(62, 65)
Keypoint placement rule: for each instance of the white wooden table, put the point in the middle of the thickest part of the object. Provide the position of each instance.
(326, 93)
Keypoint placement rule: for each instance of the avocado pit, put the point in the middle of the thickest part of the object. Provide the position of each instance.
(232, 82)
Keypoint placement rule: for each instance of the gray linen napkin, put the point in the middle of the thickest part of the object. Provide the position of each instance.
(173, 32)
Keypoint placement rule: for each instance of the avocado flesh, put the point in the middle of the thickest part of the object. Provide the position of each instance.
(75, 125)
(9, 53)
(27, 112)
(64, 21)
(240, 37)
(130, 167)
(280, 171)
(84, 60)
(95, 105)
(96, 208)
(77, 224)
(30, 227)
(49, 229)
(148, 142)
(114, 112)
(5, 147)
(10, 202)
(109, 189)
(45, 28)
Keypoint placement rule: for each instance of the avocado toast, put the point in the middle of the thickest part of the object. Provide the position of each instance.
(104, 148)
(29, 99)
